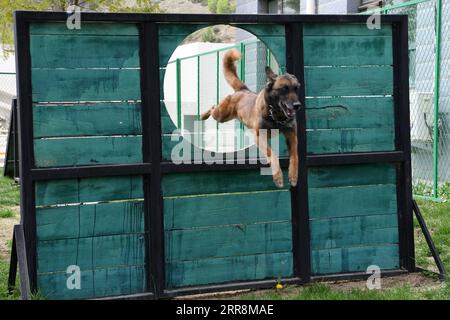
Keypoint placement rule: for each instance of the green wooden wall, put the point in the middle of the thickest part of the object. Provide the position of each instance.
(225, 226)
(87, 111)
(96, 224)
(86, 94)
(349, 87)
(218, 226)
(353, 218)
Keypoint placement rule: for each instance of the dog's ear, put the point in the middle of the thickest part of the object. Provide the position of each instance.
(292, 76)
(269, 85)
(272, 76)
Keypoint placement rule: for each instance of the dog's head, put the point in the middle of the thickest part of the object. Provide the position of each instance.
(282, 92)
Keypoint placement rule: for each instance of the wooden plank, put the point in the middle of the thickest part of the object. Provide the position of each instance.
(354, 175)
(227, 209)
(359, 112)
(354, 231)
(228, 241)
(90, 220)
(348, 81)
(87, 119)
(167, 125)
(179, 29)
(175, 142)
(347, 50)
(167, 45)
(72, 85)
(119, 281)
(273, 36)
(88, 51)
(350, 140)
(354, 259)
(252, 267)
(201, 183)
(51, 192)
(88, 28)
(94, 283)
(87, 150)
(91, 253)
(345, 29)
(352, 201)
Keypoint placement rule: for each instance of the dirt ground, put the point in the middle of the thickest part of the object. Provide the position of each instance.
(6, 229)
(415, 280)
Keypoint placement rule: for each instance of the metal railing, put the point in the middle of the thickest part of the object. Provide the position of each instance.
(429, 47)
(211, 88)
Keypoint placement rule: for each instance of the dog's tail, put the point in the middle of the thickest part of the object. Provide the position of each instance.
(229, 70)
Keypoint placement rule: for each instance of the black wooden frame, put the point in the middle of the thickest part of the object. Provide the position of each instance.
(11, 164)
(153, 167)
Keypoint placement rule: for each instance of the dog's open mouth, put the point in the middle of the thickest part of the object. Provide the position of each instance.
(288, 112)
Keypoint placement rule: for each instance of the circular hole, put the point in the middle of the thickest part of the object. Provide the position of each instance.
(194, 82)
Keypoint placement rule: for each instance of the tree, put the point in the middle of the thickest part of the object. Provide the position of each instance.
(225, 6)
(212, 6)
(7, 8)
(221, 6)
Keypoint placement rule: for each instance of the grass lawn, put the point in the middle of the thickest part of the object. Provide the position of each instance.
(437, 216)
(9, 215)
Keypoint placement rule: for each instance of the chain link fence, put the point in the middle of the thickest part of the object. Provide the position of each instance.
(429, 66)
(7, 92)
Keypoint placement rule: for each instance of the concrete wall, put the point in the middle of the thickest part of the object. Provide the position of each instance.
(333, 6)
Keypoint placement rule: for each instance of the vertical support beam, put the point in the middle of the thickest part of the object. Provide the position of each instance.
(299, 194)
(429, 240)
(403, 143)
(436, 99)
(199, 137)
(12, 265)
(151, 118)
(26, 152)
(242, 76)
(178, 83)
(16, 139)
(19, 242)
(198, 88)
(217, 97)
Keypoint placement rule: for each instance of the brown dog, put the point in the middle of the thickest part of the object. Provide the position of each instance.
(272, 108)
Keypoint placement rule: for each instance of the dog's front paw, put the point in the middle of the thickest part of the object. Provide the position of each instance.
(278, 179)
(293, 178)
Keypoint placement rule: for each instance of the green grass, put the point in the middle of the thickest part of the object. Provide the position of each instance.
(4, 271)
(323, 291)
(9, 197)
(426, 189)
(7, 213)
(437, 218)
(9, 201)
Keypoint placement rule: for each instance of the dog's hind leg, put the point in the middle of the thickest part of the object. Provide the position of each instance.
(205, 115)
(225, 112)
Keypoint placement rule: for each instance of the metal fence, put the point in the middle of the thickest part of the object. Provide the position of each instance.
(429, 59)
(7, 92)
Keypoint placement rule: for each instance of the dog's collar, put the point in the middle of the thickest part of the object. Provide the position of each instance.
(283, 122)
